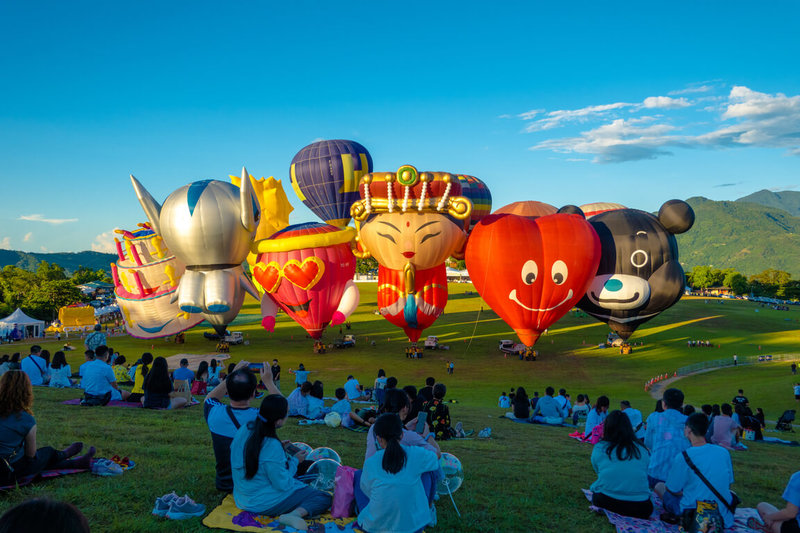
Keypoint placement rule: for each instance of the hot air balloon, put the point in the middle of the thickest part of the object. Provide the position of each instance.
(325, 176)
(209, 226)
(639, 274)
(532, 271)
(410, 222)
(595, 208)
(307, 270)
(479, 194)
(527, 208)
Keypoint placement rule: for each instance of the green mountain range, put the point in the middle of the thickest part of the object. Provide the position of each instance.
(789, 201)
(744, 235)
(69, 261)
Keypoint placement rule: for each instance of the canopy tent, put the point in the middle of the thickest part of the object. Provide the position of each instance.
(460, 275)
(27, 325)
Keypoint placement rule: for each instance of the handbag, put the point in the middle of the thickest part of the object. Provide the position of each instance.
(92, 400)
(706, 516)
(343, 502)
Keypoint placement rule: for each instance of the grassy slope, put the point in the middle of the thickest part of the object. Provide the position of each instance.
(525, 478)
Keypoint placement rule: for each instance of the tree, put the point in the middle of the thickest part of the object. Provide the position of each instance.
(704, 276)
(366, 266)
(16, 283)
(50, 271)
(772, 276)
(45, 299)
(736, 282)
(86, 275)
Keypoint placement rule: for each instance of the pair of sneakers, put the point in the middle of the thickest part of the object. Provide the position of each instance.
(178, 507)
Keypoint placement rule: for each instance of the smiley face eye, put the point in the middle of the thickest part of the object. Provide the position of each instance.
(530, 271)
(559, 272)
(639, 258)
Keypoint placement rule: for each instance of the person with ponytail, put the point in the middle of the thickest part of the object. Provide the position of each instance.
(264, 470)
(392, 480)
(137, 393)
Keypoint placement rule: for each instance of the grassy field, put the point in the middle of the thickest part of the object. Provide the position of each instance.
(526, 478)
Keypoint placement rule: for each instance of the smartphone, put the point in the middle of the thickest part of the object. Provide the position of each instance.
(421, 418)
(292, 449)
(256, 366)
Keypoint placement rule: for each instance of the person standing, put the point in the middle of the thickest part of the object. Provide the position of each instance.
(735, 360)
(451, 367)
(276, 373)
(95, 339)
(794, 368)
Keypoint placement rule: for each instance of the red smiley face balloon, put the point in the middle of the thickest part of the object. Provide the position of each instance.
(531, 272)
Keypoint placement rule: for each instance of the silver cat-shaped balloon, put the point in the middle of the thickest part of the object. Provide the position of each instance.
(209, 226)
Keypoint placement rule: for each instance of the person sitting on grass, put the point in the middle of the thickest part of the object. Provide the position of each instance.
(683, 487)
(298, 400)
(547, 411)
(503, 402)
(60, 371)
(596, 416)
(158, 388)
(98, 380)
(349, 418)
(787, 520)
(184, 373)
(522, 408)
(664, 436)
(225, 420)
(200, 384)
(40, 515)
(416, 402)
(621, 465)
(354, 390)
(18, 427)
(426, 392)
(726, 431)
(392, 482)
(316, 405)
(397, 402)
(137, 392)
(438, 413)
(121, 371)
(635, 416)
(264, 471)
(213, 373)
(581, 409)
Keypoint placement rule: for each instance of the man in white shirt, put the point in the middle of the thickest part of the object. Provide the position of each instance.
(635, 416)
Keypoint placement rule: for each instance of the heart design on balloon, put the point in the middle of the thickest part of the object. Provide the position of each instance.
(306, 274)
(268, 275)
(531, 272)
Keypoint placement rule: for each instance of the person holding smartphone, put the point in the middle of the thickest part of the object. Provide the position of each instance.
(264, 469)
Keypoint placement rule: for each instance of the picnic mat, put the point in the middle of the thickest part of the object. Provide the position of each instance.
(627, 524)
(228, 516)
(44, 474)
(120, 403)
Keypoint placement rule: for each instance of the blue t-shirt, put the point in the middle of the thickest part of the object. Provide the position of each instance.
(222, 432)
(397, 502)
(59, 377)
(504, 402)
(343, 408)
(97, 377)
(548, 407)
(316, 408)
(274, 480)
(36, 368)
(351, 389)
(298, 404)
(635, 417)
(13, 430)
(715, 464)
(623, 480)
(300, 376)
(593, 419)
(183, 373)
(792, 492)
(664, 438)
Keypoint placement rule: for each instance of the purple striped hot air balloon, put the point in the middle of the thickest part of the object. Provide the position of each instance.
(325, 176)
(480, 195)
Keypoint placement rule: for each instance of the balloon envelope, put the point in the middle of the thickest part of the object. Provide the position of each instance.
(532, 271)
(527, 208)
(325, 176)
(480, 196)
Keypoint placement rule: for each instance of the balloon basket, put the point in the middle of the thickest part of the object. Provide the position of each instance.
(414, 352)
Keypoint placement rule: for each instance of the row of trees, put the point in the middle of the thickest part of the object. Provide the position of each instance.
(41, 293)
(771, 283)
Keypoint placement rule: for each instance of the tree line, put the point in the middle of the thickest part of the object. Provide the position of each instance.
(770, 283)
(43, 292)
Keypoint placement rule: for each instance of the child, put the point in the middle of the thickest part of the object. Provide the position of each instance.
(504, 401)
(786, 519)
(581, 409)
(439, 413)
(200, 383)
(391, 479)
(349, 418)
(316, 405)
(121, 371)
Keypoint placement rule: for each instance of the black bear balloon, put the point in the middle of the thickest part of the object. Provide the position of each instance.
(639, 274)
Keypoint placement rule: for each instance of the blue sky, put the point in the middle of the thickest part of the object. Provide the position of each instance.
(630, 102)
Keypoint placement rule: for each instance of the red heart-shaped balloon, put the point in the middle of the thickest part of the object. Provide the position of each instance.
(267, 275)
(306, 274)
(532, 271)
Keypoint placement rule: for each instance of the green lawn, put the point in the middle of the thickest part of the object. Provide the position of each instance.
(524, 478)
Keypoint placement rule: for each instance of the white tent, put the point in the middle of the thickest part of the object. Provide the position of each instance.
(29, 326)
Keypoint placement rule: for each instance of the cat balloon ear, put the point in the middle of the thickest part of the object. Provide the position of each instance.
(151, 208)
(572, 210)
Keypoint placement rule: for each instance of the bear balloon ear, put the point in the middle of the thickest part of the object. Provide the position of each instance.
(572, 210)
(676, 216)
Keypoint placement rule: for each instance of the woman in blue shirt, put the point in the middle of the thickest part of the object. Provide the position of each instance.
(264, 473)
(596, 416)
(621, 465)
(392, 479)
(60, 371)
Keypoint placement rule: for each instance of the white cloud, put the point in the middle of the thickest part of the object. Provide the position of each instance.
(104, 243)
(665, 102)
(5, 243)
(748, 119)
(555, 119)
(43, 249)
(504, 115)
(40, 218)
(28, 236)
(691, 90)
